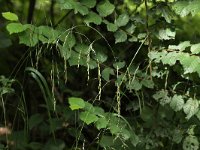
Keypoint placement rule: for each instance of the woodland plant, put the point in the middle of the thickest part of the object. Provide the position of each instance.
(107, 75)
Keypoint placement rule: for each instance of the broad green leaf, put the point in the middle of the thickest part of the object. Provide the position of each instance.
(198, 114)
(183, 8)
(195, 49)
(15, 28)
(191, 143)
(120, 36)
(76, 103)
(88, 117)
(166, 34)
(126, 134)
(112, 27)
(105, 8)
(122, 20)
(83, 10)
(133, 39)
(47, 34)
(130, 28)
(191, 107)
(82, 48)
(114, 128)
(88, 3)
(162, 97)
(100, 56)
(119, 65)
(101, 123)
(28, 38)
(134, 85)
(35, 120)
(134, 139)
(68, 39)
(10, 16)
(79, 58)
(93, 18)
(69, 4)
(177, 136)
(65, 51)
(179, 8)
(170, 58)
(148, 83)
(89, 107)
(177, 103)
(106, 73)
(182, 46)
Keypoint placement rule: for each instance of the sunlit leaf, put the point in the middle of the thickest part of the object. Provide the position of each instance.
(76, 103)
(166, 34)
(10, 16)
(177, 102)
(191, 107)
(191, 143)
(15, 28)
(195, 49)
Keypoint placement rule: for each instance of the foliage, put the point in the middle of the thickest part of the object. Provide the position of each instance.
(104, 75)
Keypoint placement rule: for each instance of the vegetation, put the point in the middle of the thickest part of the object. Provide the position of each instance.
(99, 74)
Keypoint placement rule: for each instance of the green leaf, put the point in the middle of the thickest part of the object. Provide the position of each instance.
(106, 73)
(119, 65)
(134, 85)
(15, 28)
(166, 34)
(10, 16)
(182, 46)
(177, 136)
(183, 8)
(82, 48)
(177, 103)
(88, 118)
(120, 36)
(112, 27)
(76, 103)
(105, 8)
(93, 18)
(195, 49)
(100, 56)
(134, 139)
(47, 34)
(88, 3)
(101, 123)
(162, 97)
(191, 107)
(130, 28)
(83, 10)
(28, 38)
(191, 143)
(122, 20)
